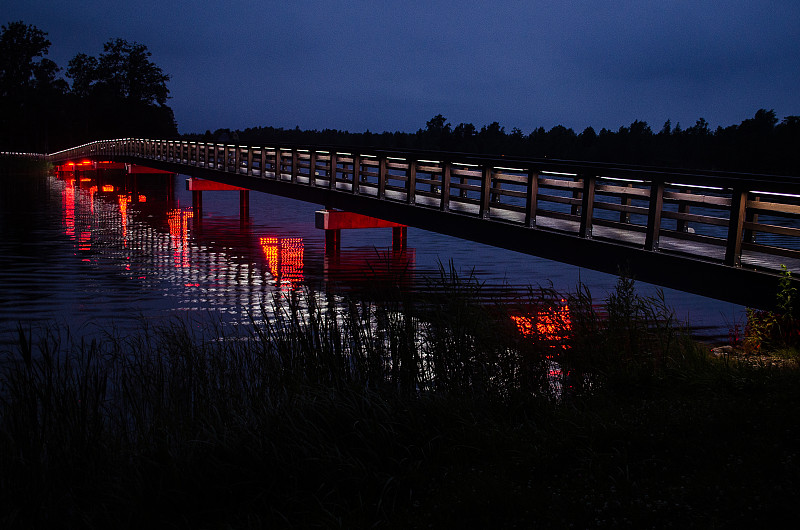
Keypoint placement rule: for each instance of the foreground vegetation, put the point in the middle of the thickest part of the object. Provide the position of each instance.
(441, 411)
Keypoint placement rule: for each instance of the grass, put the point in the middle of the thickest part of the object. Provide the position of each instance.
(434, 411)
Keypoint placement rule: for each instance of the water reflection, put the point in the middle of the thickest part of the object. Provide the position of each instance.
(551, 324)
(115, 248)
(284, 260)
(137, 237)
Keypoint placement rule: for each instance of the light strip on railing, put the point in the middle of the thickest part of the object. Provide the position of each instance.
(558, 173)
(624, 180)
(775, 194)
(693, 186)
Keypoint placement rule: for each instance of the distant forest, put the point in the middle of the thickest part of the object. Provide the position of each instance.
(122, 93)
(761, 144)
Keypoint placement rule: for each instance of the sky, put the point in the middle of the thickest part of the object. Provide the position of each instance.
(392, 65)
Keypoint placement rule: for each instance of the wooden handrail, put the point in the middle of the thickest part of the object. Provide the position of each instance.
(572, 196)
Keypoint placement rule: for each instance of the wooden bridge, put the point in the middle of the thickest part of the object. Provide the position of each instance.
(723, 235)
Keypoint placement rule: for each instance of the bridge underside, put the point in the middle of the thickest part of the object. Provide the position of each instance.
(740, 285)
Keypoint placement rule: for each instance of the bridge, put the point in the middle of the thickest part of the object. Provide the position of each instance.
(722, 235)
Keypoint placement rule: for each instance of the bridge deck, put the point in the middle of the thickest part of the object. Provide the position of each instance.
(721, 235)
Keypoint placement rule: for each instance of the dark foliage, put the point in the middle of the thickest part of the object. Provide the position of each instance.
(120, 93)
(761, 144)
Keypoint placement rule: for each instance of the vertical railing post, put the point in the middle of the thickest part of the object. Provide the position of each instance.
(751, 217)
(312, 168)
(733, 247)
(294, 165)
(444, 205)
(356, 173)
(683, 225)
(411, 181)
(263, 163)
(486, 191)
(332, 172)
(278, 163)
(624, 201)
(654, 215)
(587, 207)
(576, 194)
(237, 159)
(382, 175)
(249, 169)
(531, 198)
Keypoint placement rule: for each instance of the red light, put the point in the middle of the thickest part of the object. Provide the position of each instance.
(108, 187)
(551, 325)
(284, 260)
(142, 198)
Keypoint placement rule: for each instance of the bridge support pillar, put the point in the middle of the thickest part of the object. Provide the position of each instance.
(334, 221)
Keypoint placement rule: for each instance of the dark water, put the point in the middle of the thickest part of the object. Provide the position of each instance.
(93, 259)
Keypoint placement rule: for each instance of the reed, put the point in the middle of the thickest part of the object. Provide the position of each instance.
(390, 410)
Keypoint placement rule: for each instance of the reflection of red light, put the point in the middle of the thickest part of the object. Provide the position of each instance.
(85, 241)
(69, 210)
(86, 163)
(108, 187)
(284, 259)
(552, 325)
(92, 192)
(178, 221)
(123, 210)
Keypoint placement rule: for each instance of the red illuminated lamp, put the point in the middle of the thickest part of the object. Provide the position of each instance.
(108, 187)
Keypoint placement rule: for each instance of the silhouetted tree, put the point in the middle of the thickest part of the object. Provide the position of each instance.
(123, 92)
(30, 91)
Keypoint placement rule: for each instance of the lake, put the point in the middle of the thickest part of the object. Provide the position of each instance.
(105, 257)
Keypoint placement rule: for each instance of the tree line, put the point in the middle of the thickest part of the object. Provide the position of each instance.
(761, 144)
(118, 93)
(122, 93)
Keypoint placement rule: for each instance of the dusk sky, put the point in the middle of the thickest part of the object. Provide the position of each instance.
(388, 66)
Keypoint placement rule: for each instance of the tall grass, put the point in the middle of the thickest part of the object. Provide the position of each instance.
(338, 411)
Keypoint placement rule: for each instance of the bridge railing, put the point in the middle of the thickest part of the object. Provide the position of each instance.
(651, 208)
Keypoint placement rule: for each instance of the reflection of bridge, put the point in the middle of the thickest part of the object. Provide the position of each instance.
(197, 255)
(719, 234)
